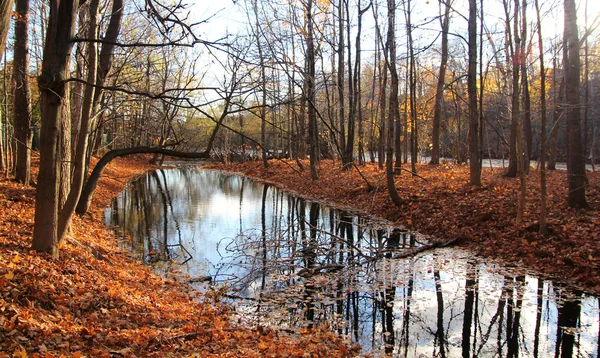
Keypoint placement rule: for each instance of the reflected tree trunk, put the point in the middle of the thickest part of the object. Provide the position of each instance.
(263, 220)
(470, 286)
(538, 318)
(389, 337)
(164, 217)
(568, 317)
(406, 319)
(514, 320)
(439, 334)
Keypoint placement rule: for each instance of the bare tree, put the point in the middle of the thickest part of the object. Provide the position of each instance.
(6, 7)
(311, 90)
(572, 68)
(263, 80)
(393, 111)
(53, 88)
(474, 166)
(543, 149)
(21, 98)
(439, 90)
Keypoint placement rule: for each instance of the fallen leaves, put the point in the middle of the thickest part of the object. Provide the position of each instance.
(96, 301)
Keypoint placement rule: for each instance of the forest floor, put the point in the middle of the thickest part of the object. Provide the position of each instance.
(441, 204)
(97, 301)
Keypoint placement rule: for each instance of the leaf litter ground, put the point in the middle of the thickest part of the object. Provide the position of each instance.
(97, 301)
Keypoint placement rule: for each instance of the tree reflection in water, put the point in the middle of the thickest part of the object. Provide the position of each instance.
(305, 264)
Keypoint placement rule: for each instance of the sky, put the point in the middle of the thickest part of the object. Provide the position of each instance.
(228, 17)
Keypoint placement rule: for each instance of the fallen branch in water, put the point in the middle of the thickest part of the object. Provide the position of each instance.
(416, 250)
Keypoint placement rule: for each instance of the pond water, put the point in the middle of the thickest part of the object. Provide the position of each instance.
(294, 263)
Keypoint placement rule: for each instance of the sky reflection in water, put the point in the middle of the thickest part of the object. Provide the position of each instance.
(294, 263)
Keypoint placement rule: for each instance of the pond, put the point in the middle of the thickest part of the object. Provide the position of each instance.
(294, 263)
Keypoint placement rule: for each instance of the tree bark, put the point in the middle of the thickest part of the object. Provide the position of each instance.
(311, 93)
(393, 111)
(341, 79)
(526, 122)
(66, 214)
(575, 156)
(53, 88)
(263, 83)
(543, 149)
(474, 166)
(439, 90)
(21, 98)
(6, 7)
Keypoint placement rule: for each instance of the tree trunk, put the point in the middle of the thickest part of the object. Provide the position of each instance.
(357, 86)
(66, 213)
(474, 167)
(518, 59)
(53, 88)
(514, 48)
(6, 8)
(575, 156)
(348, 157)
(88, 191)
(543, 190)
(310, 77)
(439, 90)
(65, 154)
(383, 73)
(263, 81)
(557, 98)
(393, 112)
(526, 122)
(412, 95)
(77, 87)
(21, 98)
(341, 79)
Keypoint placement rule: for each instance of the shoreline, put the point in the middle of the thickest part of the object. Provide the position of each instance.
(480, 219)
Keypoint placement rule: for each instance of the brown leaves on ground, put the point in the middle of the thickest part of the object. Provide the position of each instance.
(96, 301)
(445, 206)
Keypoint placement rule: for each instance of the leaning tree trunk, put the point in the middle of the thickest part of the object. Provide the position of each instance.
(66, 214)
(88, 191)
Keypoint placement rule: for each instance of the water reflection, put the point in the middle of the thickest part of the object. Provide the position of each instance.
(296, 264)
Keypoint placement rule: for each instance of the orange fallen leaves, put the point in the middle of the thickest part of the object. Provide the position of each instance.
(96, 301)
